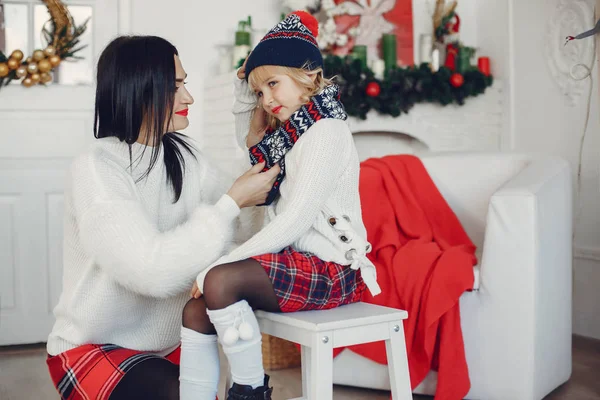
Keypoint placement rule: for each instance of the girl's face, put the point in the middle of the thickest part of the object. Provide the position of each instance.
(279, 94)
(183, 99)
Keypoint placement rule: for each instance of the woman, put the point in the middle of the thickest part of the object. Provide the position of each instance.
(145, 212)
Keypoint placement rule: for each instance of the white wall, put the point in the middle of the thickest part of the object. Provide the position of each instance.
(547, 113)
(41, 130)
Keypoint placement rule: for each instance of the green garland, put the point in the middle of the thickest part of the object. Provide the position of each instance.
(401, 88)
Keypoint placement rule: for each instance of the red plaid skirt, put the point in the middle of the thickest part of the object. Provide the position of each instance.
(93, 371)
(303, 281)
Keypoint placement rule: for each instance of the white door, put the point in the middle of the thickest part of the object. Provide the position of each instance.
(41, 130)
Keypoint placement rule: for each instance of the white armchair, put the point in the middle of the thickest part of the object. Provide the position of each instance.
(517, 209)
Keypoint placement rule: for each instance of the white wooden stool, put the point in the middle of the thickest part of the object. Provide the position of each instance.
(319, 332)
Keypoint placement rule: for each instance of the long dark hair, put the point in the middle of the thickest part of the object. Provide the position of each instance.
(135, 91)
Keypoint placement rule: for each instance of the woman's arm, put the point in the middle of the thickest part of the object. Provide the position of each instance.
(121, 238)
(217, 181)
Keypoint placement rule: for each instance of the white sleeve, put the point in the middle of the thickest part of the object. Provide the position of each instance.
(243, 109)
(321, 163)
(117, 233)
(216, 183)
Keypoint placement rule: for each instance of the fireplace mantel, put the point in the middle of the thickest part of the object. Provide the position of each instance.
(476, 125)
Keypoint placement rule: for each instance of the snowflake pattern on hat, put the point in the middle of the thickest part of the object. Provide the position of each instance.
(291, 27)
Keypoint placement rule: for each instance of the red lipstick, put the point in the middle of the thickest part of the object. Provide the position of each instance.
(183, 112)
(276, 110)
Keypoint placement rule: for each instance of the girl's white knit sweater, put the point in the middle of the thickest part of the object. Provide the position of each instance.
(322, 171)
(130, 253)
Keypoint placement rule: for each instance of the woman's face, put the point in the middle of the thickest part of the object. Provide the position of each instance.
(183, 99)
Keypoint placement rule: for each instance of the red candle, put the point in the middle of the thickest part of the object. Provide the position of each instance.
(483, 63)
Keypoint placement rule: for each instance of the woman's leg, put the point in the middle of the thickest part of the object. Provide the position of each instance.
(152, 379)
(199, 375)
(232, 291)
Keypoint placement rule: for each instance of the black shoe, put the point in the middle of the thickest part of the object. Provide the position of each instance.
(245, 392)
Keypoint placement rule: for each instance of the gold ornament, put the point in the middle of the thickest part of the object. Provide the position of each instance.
(17, 55)
(44, 66)
(32, 68)
(29, 60)
(21, 71)
(54, 60)
(38, 55)
(4, 70)
(50, 51)
(45, 77)
(62, 20)
(12, 63)
(35, 77)
(27, 82)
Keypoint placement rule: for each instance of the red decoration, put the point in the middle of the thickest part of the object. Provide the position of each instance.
(401, 16)
(451, 56)
(457, 80)
(453, 25)
(309, 21)
(373, 89)
(483, 63)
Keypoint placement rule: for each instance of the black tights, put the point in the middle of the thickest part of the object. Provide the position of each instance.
(227, 284)
(152, 379)
(158, 379)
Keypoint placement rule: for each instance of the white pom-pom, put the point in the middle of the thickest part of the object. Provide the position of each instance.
(246, 331)
(231, 336)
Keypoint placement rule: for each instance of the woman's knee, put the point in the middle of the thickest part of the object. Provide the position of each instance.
(195, 316)
(152, 379)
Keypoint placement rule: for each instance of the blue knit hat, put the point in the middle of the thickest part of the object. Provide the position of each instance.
(291, 43)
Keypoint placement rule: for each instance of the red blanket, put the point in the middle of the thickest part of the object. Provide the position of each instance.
(424, 263)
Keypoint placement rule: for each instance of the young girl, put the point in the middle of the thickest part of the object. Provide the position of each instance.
(144, 213)
(311, 254)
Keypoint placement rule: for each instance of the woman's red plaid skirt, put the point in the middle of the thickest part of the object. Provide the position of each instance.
(93, 371)
(303, 281)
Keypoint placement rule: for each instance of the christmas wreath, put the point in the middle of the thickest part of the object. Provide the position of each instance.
(62, 37)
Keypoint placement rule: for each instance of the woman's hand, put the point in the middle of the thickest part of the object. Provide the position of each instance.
(253, 186)
(195, 293)
(258, 127)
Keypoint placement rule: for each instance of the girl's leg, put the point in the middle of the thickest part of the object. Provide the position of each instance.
(199, 375)
(232, 291)
(247, 280)
(152, 379)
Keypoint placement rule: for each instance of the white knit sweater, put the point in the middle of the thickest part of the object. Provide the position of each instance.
(322, 171)
(130, 253)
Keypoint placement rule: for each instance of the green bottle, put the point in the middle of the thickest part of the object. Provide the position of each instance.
(242, 43)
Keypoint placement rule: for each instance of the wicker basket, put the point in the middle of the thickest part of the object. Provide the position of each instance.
(279, 353)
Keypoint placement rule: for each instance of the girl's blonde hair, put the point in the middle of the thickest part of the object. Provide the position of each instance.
(302, 76)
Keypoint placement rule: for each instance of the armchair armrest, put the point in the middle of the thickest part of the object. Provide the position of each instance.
(526, 275)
